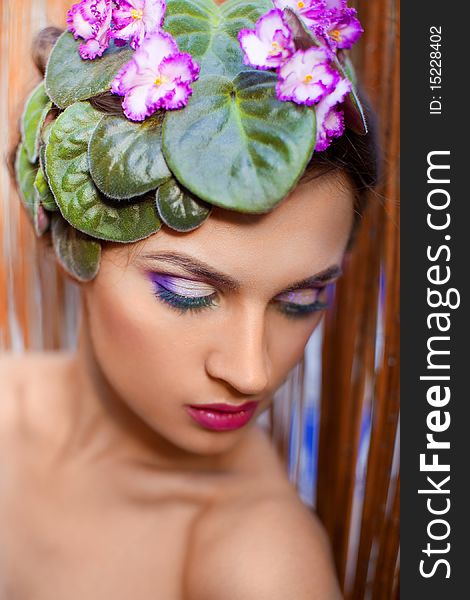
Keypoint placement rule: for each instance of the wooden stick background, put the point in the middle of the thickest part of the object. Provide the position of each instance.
(360, 367)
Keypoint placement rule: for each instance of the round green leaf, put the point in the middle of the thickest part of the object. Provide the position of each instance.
(44, 192)
(78, 254)
(35, 111)
(209, 32)
(179, 209)
(235, 145)
(25, 176)
(69, 78)
(125, 158)
(78, 198)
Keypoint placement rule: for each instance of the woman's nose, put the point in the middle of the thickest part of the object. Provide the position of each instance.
(240, 355)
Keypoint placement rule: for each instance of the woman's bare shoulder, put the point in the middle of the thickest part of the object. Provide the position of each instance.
(28, 382)
(262, 543)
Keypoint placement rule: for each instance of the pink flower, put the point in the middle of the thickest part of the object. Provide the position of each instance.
(270, 44)
(330, 19)
(134, 19)
(157, 76)
(330, 119)
(342, 29)
(91, 21)
(306, 77)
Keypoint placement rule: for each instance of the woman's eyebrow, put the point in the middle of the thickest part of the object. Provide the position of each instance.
(200, 269)
(326, 276)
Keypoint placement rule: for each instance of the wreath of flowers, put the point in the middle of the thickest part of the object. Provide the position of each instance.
(217, 106)
(159, 76)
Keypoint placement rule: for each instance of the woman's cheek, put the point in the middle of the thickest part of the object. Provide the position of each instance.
(287, 341)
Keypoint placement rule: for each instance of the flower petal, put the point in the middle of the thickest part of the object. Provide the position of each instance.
(154, 13)
(256, 51)
(270, 23)
(155, 48)
(348, 31)
(269, 44)
(179, 66)
(131, 76)
(92, 49)
(133, 20)
(136, 103)
(182, 91)
(329, 124)
(77, 24)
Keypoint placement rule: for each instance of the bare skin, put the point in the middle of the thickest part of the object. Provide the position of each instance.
(108, 488)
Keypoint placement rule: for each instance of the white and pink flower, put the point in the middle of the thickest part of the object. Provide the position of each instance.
(343, 29)
(330, 119)
(157, 76)
(307, 77)
(270, 44)
(91, 21)
(134, 19)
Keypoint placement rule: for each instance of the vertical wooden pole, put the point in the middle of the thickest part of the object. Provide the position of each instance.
(357, 382)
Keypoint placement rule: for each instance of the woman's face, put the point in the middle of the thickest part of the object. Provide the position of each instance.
(217, 315)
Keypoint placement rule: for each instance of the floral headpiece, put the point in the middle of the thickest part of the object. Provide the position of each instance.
(221, 105)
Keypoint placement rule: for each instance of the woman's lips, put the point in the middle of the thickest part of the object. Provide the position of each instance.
(222, 417)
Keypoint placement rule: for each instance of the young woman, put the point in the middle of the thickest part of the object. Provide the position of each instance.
(134, 468)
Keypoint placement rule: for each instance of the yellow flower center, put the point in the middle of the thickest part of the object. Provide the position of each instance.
(137, 13)
(300, 4)
(275, 48)
(336, 35)
(308, 78)
(159, 80)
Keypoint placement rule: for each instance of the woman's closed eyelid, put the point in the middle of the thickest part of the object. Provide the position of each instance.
(301, 297)
(182, 286)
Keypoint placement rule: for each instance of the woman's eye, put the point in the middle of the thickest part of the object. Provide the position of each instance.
(183, 294)
(299, 303)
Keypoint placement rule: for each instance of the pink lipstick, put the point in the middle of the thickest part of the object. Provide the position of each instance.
(222, 417)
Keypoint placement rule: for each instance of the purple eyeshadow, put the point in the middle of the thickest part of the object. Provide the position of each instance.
(181, 286)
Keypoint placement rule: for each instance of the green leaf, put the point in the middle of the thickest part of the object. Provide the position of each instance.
(209, 32)
(45, 135)
(125, 158)
(179, 209)
(69, 78)
(78, 254)
(348, 67)
(302, 35)
(25, 176)
(35, 112)
(43, 190)
(236, 145)
(354, 117)
(78, 198)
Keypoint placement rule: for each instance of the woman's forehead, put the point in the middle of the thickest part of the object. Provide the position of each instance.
(303, 235)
